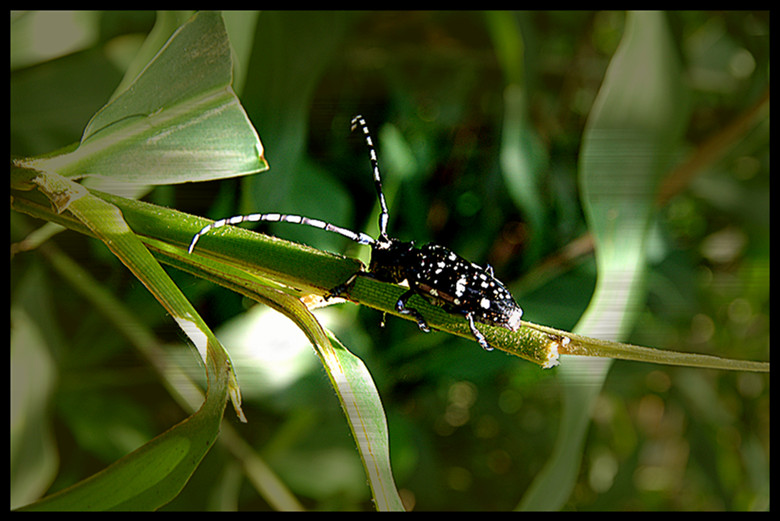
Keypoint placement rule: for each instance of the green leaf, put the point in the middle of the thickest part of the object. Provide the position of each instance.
(363, 407)
(34, 458)
(354, 386)
(166, 23)
(357, 394)
(178, 121)
(629, 140)
(152, 475)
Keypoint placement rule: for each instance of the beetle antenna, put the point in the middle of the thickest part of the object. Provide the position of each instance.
(358, 237)
(384, 215)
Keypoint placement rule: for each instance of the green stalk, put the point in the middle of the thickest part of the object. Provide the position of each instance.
(230, 255)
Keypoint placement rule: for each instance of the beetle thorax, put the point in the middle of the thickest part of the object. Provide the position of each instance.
(391, 258)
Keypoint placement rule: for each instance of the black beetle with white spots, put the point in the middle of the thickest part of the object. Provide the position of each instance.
(434, 272)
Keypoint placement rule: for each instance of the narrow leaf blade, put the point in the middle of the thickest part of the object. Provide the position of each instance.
(154, 474)
(633, 126)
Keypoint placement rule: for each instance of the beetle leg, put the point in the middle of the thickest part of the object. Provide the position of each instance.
(341, 288)
(400, 306)
(476, 332)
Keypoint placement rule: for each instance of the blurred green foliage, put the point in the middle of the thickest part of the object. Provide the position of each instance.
(469, 430)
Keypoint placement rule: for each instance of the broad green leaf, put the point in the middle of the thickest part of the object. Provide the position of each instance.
(166, 23)
(630, 138)
(178, 121)
(241, 27)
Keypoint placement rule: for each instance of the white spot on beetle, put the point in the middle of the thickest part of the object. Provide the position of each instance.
(460, 287)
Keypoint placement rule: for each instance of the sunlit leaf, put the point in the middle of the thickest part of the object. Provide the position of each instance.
(178, 121)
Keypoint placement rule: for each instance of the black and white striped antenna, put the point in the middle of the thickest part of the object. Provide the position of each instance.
(384, 215)
(358, 237)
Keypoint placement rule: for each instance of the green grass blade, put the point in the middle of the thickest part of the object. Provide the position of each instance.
(354, 386)
(154, 474)
(226, 254)
(181, 386)
(363, 407)
(357, 395)
(523, 157)
(629, 140)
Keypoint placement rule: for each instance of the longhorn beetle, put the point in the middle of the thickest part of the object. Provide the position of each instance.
(441, 276)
